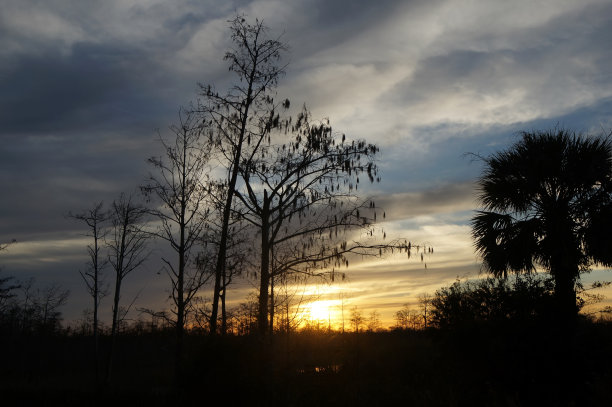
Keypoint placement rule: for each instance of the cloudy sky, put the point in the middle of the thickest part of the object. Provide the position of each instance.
(84, 85)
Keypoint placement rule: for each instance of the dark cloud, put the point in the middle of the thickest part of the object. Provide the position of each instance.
(94, 87)
(443, 199)
(46, 177)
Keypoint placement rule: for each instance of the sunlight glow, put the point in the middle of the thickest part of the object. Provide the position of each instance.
(319, 310)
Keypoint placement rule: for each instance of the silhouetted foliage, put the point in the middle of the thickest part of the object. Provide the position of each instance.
(297, 178)
(7, 292)
(29, 310)
(492, 300)
(300, 194)
(356, 319)
(547, 201)
(241, 117)
(517, 365)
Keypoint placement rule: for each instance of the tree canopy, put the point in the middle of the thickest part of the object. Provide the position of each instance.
(547, 201)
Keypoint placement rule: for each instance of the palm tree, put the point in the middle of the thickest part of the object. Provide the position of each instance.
(547, 201)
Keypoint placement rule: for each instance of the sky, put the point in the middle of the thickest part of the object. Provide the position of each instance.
(85, 87)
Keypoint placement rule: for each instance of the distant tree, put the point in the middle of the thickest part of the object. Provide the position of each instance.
(374, 323)
(522, 298)
(356, 319)
(178, 184)
(402, 317)
(199, 314)
(547, 201)
(288, 299)
(48, 302)
(127, 251)
(243, 318)
(414, 318)
(425, 308)
(95, 218)
(241, 117)
(8, 293)
(28, 309)
(6, 287)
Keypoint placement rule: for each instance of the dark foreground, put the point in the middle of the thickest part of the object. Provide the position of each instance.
(470, 366)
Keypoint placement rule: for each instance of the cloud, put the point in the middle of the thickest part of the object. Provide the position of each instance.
(467, 64)
(86, 84)
(443, 199)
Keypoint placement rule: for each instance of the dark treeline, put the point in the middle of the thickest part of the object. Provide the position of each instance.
(487, 342)
(470, 364)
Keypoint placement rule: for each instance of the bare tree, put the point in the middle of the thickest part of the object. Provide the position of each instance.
(178, 185)
(425, 308)
(402, 317)
(127, 251)
(244, 316)
(94, 218)
(7, 292)
(48, 302)
(374, 323)
(6, 287)
(288, 299)
(242, 117)
(302, 197)
(30, 309)
(357, 319)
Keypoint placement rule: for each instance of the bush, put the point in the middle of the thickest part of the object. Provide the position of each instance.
(492, 299)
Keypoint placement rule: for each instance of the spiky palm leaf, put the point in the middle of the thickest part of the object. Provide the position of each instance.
(546, 201)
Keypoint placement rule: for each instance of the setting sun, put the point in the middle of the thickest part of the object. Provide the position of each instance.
(319, 311)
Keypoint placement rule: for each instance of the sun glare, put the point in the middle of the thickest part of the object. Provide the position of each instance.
(319, 310)
(322, 312)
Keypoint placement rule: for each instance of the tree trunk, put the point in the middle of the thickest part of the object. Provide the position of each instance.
(180, 283)
(565, 293)
(228, 205)
(272, 301)
(223, 309)
(95, 317)
(264, 276)
(180, 312)
(111, 353)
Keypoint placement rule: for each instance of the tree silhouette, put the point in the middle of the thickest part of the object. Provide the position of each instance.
(547, 201)
(238, 245)
(127, 252)
(178, 185)
(6, 287)
(299, 194)
(242, 117)
(95, 218)
(357, 319)
(491, 300)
